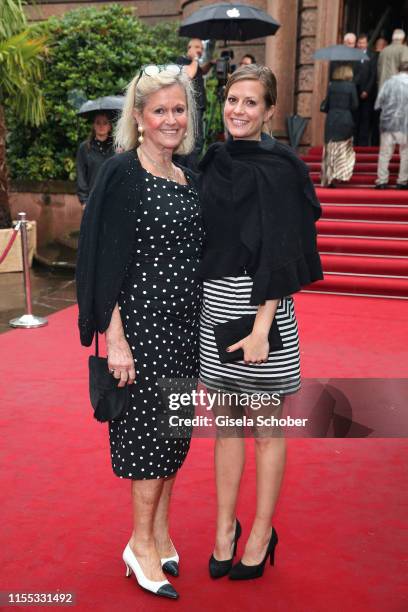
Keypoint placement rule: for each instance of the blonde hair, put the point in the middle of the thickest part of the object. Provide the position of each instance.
(343, 73)
(137, 92)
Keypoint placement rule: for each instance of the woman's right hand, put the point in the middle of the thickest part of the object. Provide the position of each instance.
(120, 360)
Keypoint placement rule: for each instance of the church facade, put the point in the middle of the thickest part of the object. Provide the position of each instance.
(306, 25)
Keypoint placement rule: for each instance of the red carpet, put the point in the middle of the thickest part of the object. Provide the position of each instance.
(341, 517)
(358, 179)
(317, 150)
(376, 212)
(363, 232)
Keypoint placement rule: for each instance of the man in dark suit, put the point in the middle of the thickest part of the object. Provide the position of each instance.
(365, 80)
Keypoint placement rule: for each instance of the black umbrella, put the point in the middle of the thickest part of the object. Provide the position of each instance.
(105, 104)
(228, 21)
(296, 126)
(340, 53)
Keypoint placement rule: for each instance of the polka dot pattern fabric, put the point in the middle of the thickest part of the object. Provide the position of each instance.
(160, 308)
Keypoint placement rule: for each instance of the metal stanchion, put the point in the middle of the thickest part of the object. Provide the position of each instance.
(28, 319)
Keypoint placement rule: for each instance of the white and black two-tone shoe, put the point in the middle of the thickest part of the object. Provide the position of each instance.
(170, 565)
(162, 588)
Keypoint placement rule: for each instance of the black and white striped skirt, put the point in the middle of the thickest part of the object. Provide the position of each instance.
(229, 298)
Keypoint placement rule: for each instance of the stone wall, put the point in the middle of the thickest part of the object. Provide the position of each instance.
(306, 45)
(151, 11)
(52, 204)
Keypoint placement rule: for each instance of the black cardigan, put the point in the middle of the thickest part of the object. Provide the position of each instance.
(107, 241)
(259, 210)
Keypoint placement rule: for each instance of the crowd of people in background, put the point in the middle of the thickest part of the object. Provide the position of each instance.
(367, 104)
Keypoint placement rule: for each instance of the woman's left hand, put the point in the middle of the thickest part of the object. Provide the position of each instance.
(255, 347)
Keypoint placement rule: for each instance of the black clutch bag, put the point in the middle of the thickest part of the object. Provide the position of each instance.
(108, 400)
(233, 331)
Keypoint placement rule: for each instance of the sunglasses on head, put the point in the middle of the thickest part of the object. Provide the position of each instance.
(154, 69)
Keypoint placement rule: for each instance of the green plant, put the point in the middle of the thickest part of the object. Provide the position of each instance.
(21, 62)
(213, 120)
(96, 52)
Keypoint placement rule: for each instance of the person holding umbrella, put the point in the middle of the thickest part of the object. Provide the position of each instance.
(196, 71)
(340, 104)
(92, 153)
(349, 41)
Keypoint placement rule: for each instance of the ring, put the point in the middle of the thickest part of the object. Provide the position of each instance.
(111, 371)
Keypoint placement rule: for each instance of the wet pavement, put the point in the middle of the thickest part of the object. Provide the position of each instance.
(51, 289)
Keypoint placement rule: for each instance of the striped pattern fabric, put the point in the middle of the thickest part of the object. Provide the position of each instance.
(229, 298)
(338, 161)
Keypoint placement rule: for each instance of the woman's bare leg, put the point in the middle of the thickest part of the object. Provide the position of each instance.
(270, 453)
(161, 520)
(145, 500)
(229, 464)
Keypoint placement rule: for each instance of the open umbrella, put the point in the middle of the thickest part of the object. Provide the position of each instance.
(228, 21)
(340, 53)
(104, 104)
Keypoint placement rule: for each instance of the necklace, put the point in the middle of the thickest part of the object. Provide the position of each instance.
(171, 176)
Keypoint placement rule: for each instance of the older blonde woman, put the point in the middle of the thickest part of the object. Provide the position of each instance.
(140, 246)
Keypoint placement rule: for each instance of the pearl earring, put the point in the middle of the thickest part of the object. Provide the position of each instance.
(140, 130)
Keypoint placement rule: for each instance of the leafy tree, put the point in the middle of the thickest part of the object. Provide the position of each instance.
(21, 62)
(94, 52)
(213, 117)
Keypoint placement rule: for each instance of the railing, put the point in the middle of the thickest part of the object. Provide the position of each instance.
(27, 320)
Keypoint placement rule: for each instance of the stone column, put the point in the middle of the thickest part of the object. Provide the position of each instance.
(328, 14)
(280, 56)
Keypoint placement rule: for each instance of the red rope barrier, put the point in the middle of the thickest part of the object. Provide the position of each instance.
(10, 243)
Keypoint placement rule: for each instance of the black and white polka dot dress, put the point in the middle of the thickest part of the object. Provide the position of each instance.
(160, 308)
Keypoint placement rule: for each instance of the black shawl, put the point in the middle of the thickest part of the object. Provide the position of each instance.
(259, 208)
(107, 241)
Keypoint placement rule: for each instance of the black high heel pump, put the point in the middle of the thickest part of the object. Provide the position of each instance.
(240, 571)
(218, 569)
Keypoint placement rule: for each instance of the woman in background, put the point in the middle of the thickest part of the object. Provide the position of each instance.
(92, 153)
(338, 153)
